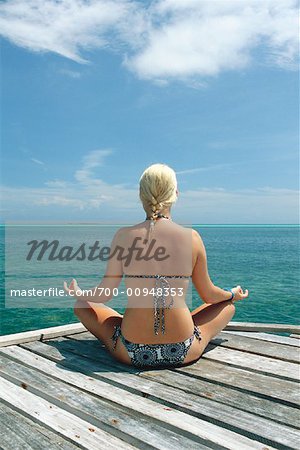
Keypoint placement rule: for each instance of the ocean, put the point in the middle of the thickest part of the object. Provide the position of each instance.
(261, 258)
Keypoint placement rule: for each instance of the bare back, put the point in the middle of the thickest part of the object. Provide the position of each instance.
(168, 252)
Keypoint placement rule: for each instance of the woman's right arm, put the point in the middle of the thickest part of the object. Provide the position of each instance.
(201, 280)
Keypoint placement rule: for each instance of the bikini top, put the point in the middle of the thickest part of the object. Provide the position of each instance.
(159, 300)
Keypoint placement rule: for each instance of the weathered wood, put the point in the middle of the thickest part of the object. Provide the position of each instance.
(52, 332)
(268, 337)
(253, 326)
(184, 423)
(39, 335)
(20, 433)
(285, 340)
(271, 349)
(61, 421)
(221, 411)
(242, 393)
(257, 363)
(247, 424)
(86, 336)
(297, 336)
(119, 421)
(205, 371)
(233, 399)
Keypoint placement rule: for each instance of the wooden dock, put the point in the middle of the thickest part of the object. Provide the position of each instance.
(60, 389)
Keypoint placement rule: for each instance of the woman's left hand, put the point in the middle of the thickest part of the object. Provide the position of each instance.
(73, 290)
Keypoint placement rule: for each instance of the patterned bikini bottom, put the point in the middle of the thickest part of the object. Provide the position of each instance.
(156, 355)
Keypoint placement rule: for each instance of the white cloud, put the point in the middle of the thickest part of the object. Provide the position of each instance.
(163, 39)
(249, 206)
(86, 193)
(91, 161)
(56, 183)
(108, 201)
(70, 73)
(63, 27)
(37, 161)
(204, 169)
(204, 38)
(89, 197)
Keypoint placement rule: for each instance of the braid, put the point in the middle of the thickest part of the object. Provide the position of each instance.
(158, 186)
(156, 208)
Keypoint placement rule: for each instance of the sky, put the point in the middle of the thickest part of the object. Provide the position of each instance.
(93, 92)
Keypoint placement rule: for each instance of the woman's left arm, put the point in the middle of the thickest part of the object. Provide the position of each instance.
(111, 280)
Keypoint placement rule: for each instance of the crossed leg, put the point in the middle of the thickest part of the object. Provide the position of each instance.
(100, 320)
(213, 318)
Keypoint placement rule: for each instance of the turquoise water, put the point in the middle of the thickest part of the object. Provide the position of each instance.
(264, 259)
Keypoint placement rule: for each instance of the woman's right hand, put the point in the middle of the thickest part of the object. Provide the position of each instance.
(239, 294)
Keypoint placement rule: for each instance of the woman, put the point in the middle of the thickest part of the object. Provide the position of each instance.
(157, 328)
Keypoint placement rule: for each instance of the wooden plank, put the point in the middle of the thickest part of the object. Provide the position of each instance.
(257, 363)
(258, 384)
(285, 340)
(268, 337)
(221, 411)
(205, 370)
(223, 402)
(20, 433)
(39, 335)
(119, 421)
(230, 397)
(43, 412)
(263, 348)
(182, 422)
(51, 332)
(244, 393)
(253, 326)
(297, 336)
(83, 337)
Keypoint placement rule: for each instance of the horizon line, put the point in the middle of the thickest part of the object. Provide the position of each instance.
(129, 223)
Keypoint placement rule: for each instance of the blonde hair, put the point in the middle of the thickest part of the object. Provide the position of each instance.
(158, 185)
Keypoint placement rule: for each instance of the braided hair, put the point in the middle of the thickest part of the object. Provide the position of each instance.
(155, 208)
(158, 187)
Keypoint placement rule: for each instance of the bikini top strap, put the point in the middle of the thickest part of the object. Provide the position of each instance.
(162, 287)
(160, 297)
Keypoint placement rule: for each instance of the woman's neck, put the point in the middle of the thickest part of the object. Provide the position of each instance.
(163, 214)
(166, 213)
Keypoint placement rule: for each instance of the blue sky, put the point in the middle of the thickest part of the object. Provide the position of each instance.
(95, 91)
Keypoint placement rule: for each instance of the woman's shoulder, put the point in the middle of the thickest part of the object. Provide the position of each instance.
(130, 228)
(195, 233)
(198, 244)
(125, 231)
(189, 229)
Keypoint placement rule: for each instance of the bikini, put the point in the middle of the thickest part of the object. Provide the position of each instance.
(155, 355)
